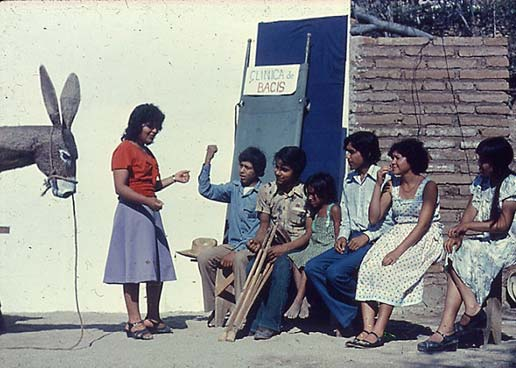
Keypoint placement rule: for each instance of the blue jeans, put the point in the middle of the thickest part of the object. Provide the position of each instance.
(332, 275)
(270, 304)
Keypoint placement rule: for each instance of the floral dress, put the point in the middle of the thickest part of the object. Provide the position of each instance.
(482, 257)
(400, 284)
(323, 237)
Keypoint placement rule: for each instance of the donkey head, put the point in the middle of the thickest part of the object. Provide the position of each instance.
(56, 156)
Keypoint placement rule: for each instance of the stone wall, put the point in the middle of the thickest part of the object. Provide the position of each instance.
(451, 93)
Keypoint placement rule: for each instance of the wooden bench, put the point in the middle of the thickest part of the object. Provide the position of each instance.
(224, 295)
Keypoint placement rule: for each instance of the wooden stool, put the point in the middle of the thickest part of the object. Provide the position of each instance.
(224, 295)
(494, 303)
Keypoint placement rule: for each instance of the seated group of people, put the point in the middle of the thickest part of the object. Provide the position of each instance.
(386, 229)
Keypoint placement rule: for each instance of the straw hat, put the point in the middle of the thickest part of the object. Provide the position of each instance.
(198, 245)
(511, 285)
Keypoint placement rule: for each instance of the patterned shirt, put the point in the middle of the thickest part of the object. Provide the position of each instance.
(242, 218)
(286, 209)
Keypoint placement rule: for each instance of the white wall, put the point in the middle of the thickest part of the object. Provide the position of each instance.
(186, 57)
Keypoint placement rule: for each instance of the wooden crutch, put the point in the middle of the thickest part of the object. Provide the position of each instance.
(250, 291)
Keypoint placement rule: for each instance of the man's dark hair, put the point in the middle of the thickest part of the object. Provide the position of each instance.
(416, 154)
(294, 157)
(256, 158)
(367, 144)
(143, 114)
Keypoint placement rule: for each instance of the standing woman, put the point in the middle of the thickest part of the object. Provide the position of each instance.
(139, 251)
(391, 273)
(474, 261)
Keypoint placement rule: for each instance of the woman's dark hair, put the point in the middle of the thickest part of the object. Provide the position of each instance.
(416, 154)
(323, 185)
(143, 114)
(498, 153)
(367, 144)
(294, 157)
(256, 158)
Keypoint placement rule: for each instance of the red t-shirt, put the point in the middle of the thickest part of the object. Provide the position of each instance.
(143, 168)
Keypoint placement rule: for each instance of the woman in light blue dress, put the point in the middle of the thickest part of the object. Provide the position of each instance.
(480, 246)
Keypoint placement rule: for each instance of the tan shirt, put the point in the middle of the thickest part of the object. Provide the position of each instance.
(286, 209)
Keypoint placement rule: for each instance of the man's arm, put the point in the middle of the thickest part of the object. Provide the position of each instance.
(220, 192)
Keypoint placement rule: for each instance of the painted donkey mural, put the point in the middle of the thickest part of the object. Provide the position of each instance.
(52, 148)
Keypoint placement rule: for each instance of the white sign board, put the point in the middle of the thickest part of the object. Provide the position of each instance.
(271, 80)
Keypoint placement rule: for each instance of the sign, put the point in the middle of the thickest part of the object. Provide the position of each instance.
(274, 80)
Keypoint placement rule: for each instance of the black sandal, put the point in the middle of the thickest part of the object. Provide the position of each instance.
(478, 321)
(353, 343)
(364, 344)
(448, 343)
(156, 328)
(143, 334)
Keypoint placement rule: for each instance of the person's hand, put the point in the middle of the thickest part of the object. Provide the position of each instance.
(227, 260)
(154, 203)
(253, 245)
(182, 176)
(380, 175)
(211, 149)
(340, 244)
(358, 242)
(458, 231)
(452, 243)
(391, 258)
(275, 252)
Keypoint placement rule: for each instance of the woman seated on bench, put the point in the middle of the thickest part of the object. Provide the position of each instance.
(474, 262)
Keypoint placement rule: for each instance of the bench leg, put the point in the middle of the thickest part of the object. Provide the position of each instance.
(224, 302)
(494, 312)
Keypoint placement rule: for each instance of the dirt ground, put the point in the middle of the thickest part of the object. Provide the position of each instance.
(41, 340)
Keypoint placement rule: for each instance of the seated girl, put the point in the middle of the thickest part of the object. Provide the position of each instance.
(321, 195)
(490, 245)
(391, 273)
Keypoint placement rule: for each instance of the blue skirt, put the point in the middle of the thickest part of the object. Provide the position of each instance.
(139, 250)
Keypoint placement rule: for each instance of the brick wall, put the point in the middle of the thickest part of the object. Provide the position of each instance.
(451, 93)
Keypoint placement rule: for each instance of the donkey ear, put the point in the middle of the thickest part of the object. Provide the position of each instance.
(70, 99)
(49, 96)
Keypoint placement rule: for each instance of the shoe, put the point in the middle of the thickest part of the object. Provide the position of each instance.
(263, 333)
(158, 327)
(364, 344)
(143, 334)
(210, 322)
(355, 341)
(478, 321)
(449, 343)
(471, 339)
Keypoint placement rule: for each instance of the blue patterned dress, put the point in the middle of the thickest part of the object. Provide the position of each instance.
(400, 284)
(480, 258)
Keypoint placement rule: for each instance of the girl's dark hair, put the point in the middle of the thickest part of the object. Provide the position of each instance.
(143, 114)
(256, 158)
(294, 157)
(498, 153)
(416, 154)
(323, 185)
(367, 144)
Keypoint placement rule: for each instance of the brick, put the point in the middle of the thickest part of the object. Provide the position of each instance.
(405, 62)
(379, 118)
(421, 97)
(361, 107)
(429, 50)
(449, 155)
(451, 217)
(362, 40)
(386, 108)
(439, 109)
(376, 96)
(402, 41)
(469, 144)
(482, 51)
(451, 178)
(441, 167)
(464, 189)
(380, 51)
(497, 61)
(380, 73)
(484, 97)
(454, 203)
(448, 190)
(495, 132)
(411, 108)
(496, 41)
(483, 120)
(401, 85)
(360, 63)
(447, 131)
(460, 85)
(500, 109)
(428, 73)
(379, 85)
(439, 143)
(494, 85)
(396, 132)
(460, 41)
(484, 73)
(440, 119)
(432, 85)
(360, 86)
(472, 169)
(460, 63)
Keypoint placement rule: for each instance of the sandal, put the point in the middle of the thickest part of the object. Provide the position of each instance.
(143, 334)
(364, 344)
(448, 343)
(158, 327)
(211, 322)
(356, 341)
(478, 321)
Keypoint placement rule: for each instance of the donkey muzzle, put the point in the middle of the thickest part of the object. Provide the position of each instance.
(63, 187)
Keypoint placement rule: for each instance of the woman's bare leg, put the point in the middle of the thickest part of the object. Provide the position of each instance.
(384, 313)
(299, 305)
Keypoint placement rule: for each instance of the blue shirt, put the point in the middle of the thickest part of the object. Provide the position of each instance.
(242, 217)
(356, 196)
